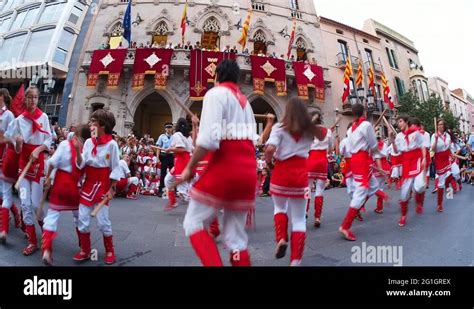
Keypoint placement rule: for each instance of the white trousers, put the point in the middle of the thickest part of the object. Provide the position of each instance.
(320, 186)
(297, 209)
(30, 194)
(360, 193)
(396, 172)
(183, 188)
(350, 186)
(103, 221)
(418, 184)
(442, 179)
(199, 216)
(7, 194)
(51, 220)
(381, 183)
(455, 171)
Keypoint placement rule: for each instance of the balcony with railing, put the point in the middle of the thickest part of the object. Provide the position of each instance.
(342, 58)
(182, 59)
(377, 67)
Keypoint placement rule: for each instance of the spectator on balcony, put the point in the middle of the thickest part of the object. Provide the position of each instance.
(314, 61)
(198, 45)
(148, 44)
(282, 57)
(120, 46)
(260, 53)
(103, 46)
(178, 46)
(162, 44)
(227, 49)
(292, 58)
(188, 46)
(246, 52)
(155, 45)
(141, 45)
(134, 45)
(170, 46)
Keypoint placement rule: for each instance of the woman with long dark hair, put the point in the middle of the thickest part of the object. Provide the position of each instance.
(289, 143)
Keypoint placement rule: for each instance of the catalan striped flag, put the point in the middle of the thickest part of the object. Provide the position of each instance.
(347, 79)
(245, 30)
(360, 76)
(292, 38)
(184, 21)
(371, 79)
(387, 95)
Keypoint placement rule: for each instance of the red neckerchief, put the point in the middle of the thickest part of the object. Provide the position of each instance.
(357, 123)
(296, 136)
(33, 117)
(380, 144)
(409, 131)
(104, 139)
(234, 88)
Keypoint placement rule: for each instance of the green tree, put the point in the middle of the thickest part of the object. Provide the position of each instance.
(426, 111)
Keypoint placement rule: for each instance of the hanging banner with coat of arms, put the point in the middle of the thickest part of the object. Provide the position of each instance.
(309, 75)
(151, 61)
(106, 62)
(266, 69)
(203, 71)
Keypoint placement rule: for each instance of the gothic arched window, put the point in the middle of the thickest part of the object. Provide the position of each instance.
(160, 35)
(259, 43)
(210, 35)
(301, 49)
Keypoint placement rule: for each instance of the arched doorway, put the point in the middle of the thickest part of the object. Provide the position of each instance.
(210, 36)
(261, 107)
(151, 116)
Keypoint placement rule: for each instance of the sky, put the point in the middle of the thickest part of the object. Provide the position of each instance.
(442, 30)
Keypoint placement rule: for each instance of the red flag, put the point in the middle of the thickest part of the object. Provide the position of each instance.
(347, 79)
(184, 21)
(387, 95)
(18, 103)
(292, 38)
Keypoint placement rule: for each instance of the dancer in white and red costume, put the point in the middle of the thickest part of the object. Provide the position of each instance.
(64, 194)
(363, 146)
(396, 165)
(101, 168)
(317, 165)
(441, 145)
(381, 177)
(8, 162)
(230, 179)
(427, 145)
(182, 148)
(127, 186)
(32, 136)
(290, 143)
(410, 143)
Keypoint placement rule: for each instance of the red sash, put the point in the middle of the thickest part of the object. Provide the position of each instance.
(230, 179)
(290, 178)
(442, 161)
(36, 170)
(96, 184)
(411, 163)
(396, 160)
(317, 164)
(202, 165)
(360, 165)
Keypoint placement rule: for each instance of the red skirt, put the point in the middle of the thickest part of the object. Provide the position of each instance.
(411, 164)
(36, 170)
(360, 165)
(443, 162)
(202, 165)
(290, 178)
(96, 185)
(396, 160)
(230, 179)
(317, 164)
(385, 166)
(181, 160)
(10, 167)
(64, 192)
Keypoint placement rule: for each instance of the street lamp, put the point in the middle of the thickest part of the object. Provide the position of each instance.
(361, 93)
(353, 99)
(370, 102)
